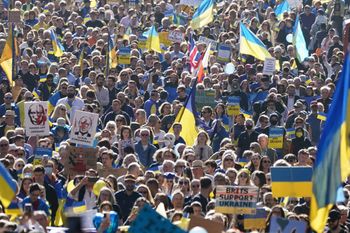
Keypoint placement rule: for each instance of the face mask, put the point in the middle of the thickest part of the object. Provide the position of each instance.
(298, 134)
(70, 95)
(249, 127)
(48, 171)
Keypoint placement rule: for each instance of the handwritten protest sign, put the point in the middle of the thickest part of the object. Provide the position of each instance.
(269, 66)
(224, 53)
(209, 225)
(205, 98)
(117, 172)
(84, 126)
(149, 221)
(176, 36)
(276, 138)
(208, 41)
(124, 56)
(236, 199)
(255, 221)
(36, 118)
(233, 107)
(80, 159)
(284, 225)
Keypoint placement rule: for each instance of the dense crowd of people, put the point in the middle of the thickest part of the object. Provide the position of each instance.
(138, 103)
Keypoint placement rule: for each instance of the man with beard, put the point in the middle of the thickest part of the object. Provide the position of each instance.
(72, 102)
(127, 197)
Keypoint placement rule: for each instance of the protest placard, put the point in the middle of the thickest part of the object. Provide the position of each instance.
(84, 126)
(142, 42)
(14, 16)
(79, 160)
(236, 199)
(124, 55)
(269, 66)
(290, 133)
(208, 41)
(291, 181)
(209, 225)
(176, 36)
(205, 98)
(36, 118)
(224, 53)
(117, 172)
(39, 154)
(255, 221)
(149, 221)
(295, 3)
(190, 2)
(284, 225)
(233, 107)
(276, 138)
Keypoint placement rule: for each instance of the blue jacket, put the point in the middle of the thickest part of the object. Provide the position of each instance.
(42, 205)
(145, 156)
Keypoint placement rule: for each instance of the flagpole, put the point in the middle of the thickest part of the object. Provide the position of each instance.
(107, 55)
(13, 52)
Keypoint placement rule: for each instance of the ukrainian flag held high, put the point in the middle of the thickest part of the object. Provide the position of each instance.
(252, 45)
(153, 42)
(281, 8)
(56, 44)
(187, 117)
(332, 165)
(299, 41)
(112, 55)
(7, 55)
(203, 15)
(8, 186)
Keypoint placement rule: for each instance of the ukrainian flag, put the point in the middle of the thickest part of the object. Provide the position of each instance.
(255, 221)
(79, 207)
(53, 101)
(153, 42)
(281, 8)
(291, 181)
(252, 45)
(332, 165)
(8, 185)
(112, 55)
(299, 41)
(5, 3)
(8, 55)
(36, 93)
(203, 15)
(187, 117)
(56, 44)
(322, 116)
(127, 34)
(13, 210)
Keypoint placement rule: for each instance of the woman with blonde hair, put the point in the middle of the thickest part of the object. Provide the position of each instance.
(145, 192)
(201, 148)
(60, 111)
(243, 178)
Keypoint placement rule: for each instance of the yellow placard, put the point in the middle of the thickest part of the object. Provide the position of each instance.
(233, 110)
(276, 142)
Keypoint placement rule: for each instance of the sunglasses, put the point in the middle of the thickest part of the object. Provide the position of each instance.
(144, 135)
(4, 145)
(143, 191)
(299, 122)
(183, 183)
(195, 186)
(228, 160)
(266, 161)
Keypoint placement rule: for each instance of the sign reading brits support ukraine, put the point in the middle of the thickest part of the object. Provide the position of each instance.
(236, 199)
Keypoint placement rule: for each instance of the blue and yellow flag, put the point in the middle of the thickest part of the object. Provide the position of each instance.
(252, 45)
(112, 55)
(291, 181)
(53, 101)
(56, 44)
(187, 117)
(8, 186)
(8, 54)
(332, 165)
(13, 210)
(322, 116)
(299, 41)
(281, 8)
(153, 42)
(203, 15)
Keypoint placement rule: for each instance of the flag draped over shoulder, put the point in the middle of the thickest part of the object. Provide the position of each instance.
(299, 41)
(56, 44)
(8, 186)
(332, 165)
(252, 45)
(203, 15)
(153, 42)
(10, 50)
(187, 117)
(281, 8)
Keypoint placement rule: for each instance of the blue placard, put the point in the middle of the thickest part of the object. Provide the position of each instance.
(39, 151)
(284, 225)
(234, 99)
(149, 221)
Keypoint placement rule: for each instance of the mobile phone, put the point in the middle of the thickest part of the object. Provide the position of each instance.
(93, 179)
(28, 208)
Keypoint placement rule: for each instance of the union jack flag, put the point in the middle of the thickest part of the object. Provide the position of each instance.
(194, 55)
